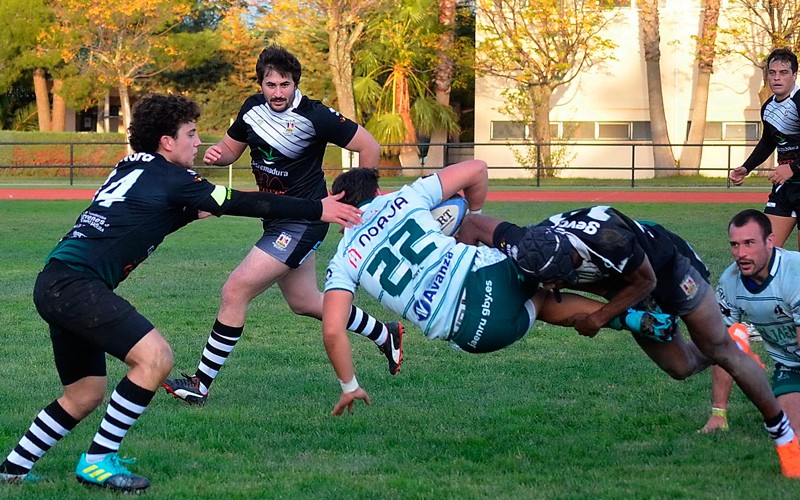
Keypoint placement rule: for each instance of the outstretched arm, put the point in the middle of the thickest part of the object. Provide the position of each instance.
(478, 228)
(336, 306)
(224, 201)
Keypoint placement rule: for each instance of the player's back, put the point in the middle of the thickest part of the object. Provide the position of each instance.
(400, 256)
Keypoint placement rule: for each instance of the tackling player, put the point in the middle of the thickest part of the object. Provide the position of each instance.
(149, 195)
(637, 264)
(472, 297)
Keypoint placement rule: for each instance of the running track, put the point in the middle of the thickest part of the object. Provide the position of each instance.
(636, 196)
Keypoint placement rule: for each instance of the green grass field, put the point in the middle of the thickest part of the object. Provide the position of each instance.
(554, 416)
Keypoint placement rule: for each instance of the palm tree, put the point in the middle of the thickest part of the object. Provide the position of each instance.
(663, 158)
(691, 155)
(391, 88)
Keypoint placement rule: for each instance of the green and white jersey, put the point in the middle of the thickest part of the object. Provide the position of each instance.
(400, 256)
(773, 307)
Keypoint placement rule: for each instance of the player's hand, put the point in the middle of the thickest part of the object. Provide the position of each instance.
(212, 155)
(203, 215)
(715, 423)
(348, 399)
(781, 174)
(737, 175)
(587, 326)
(339, 213)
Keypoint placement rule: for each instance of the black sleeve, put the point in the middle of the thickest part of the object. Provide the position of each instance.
(760, 153)
(264, 205)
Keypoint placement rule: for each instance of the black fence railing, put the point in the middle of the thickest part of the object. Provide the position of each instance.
(629, 161)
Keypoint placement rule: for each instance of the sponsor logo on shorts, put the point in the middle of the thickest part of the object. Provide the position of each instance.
(689, 286)
(486, 311)
(282, 242)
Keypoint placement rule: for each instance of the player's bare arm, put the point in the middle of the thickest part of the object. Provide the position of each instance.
(368, 149)
(638, 285)
(335, 312)
(470, 176)
(224, 152)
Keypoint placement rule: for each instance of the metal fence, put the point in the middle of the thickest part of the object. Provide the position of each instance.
(600, 160)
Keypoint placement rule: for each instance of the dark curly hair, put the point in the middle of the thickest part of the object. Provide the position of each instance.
(358, 184)
(276, 58)
(157, 115)
(784, 55)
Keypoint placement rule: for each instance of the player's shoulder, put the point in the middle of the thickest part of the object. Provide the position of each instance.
(789, 261)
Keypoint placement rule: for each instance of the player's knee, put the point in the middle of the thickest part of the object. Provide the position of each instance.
(306, 308)
(234, 292)
(679, 372)
(153, 356)
(79, 404)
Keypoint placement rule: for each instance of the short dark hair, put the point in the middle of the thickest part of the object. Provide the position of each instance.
(752, 215)
(276, 58)
(157, 115)
(358, 184)
(785, 55)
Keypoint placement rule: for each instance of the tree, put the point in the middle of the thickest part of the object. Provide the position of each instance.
(392, 88)
(537, 47)
(663, 158)
(756, 27)
(21, 22)
(334, 27)
(706, 50)
(443, 76)
(119, 46)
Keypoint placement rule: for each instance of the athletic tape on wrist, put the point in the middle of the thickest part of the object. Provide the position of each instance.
(349, 386)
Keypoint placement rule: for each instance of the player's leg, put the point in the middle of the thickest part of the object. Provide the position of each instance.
(781, 208)
(150, 360)
(256, 273)
(76, 362)
(782, 227)
(300, 289)
(708, 332)
(786, 387)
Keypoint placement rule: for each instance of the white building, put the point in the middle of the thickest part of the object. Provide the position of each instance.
(604, 112)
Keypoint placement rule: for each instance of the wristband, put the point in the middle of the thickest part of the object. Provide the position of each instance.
(349, 386)
(478, 211)
(719, 412)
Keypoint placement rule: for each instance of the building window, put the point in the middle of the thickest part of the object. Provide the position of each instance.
(641, 131)
(503, 131)
(613, 131)
(747, 131)
(732, 131)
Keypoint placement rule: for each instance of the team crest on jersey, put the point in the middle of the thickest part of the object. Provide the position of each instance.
(290, 127)
(339, 115)
(282, 242)
(689, 286)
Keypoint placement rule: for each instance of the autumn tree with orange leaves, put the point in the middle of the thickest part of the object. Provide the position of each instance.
(118, 44)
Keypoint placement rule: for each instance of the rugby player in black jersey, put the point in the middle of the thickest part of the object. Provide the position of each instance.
(150, 194)
(780, 116)
(643, 265)
(287, 134)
